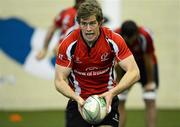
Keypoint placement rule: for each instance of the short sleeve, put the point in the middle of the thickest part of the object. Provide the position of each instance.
(63, 58)
(123, 50)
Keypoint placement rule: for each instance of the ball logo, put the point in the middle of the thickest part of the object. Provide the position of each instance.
(94, 109)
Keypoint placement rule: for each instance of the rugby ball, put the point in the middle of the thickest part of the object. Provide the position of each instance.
(94, 109)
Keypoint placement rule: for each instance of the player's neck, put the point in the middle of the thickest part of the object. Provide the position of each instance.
(90, 44)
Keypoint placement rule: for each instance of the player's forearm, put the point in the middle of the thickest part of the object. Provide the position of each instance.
(65, 89)
(127, 81)
(49, 36)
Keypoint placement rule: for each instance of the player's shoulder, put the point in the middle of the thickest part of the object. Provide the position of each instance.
(71, 38)
(70, 10)
(107, 31)
(111, 35)
(145, 30)
(117, 30)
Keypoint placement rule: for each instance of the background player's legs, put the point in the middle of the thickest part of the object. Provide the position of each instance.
(150, 113)
(149, 97)
(122, 98)
(122, 108)
(105, 126)
(122, 112)
(150, 105)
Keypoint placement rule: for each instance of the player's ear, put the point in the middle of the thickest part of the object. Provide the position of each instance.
(105, 20)
(101, 22)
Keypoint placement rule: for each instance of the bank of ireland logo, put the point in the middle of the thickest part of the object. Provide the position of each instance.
(91, 68)
(104, 56)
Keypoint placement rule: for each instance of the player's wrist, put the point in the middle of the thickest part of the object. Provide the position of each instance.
(112, 92)
(78, 99)
(44, 51)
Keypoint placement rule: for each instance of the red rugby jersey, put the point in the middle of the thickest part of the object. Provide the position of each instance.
(92, 68)
(65, 19)
(144, 44)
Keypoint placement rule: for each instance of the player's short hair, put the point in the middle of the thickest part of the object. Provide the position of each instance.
(129, 28)
(88, 8)
(77, 3)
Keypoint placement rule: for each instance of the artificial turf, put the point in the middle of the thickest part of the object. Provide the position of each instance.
(166, 118)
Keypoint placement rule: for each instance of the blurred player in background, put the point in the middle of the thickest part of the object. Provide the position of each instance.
(63, 21)
(140, 42)
(85, 64)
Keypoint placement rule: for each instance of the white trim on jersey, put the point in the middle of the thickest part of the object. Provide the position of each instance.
(144, 40)
(110, 82)
(144, 43)
(68, 52)
(149, 32)
(76, 85)
(115, 47)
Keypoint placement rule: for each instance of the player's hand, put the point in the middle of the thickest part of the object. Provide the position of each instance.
(80, 102)
(41, 54)
(108, 97)
(55, 50)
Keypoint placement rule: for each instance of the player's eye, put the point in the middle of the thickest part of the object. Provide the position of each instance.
(91, 24)
(84, 23)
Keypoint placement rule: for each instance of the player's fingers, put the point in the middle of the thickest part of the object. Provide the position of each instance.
(80, 109)
(108, 99)
(38, 56)
(108, 106)
(41, 55)
(80, 101)
(109, 109)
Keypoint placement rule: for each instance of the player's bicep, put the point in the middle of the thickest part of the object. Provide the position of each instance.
(61, 72)
(128, 63)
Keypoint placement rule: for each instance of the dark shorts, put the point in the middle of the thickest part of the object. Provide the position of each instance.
(74, 118)
(143, 74)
